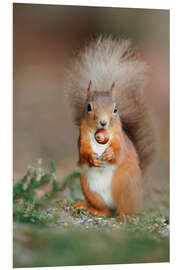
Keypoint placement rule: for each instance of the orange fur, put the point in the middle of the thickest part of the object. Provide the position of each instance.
(86, 155)
(127, 181)
(127, 184)
(94, 211)
(85, 150)
(116, 143)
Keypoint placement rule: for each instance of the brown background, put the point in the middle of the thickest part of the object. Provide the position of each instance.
(44, 38)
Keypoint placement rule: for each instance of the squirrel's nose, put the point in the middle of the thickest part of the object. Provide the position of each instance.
(103, 123)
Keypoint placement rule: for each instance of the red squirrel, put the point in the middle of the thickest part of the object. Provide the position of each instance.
(105, 85)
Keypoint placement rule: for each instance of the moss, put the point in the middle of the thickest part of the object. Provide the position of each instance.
(50, 231)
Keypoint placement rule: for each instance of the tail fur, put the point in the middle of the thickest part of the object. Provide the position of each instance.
(106, 60)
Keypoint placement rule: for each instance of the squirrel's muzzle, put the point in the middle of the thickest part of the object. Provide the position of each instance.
(103, 123)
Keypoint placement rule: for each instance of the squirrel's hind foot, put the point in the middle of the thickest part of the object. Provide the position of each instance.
(97, 212)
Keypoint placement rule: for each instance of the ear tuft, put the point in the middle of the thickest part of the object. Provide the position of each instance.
(113, 88)
(90, 86)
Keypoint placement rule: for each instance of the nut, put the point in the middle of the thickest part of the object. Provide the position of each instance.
(101, 136)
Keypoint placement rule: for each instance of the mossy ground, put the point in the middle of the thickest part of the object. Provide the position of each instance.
(50, 231)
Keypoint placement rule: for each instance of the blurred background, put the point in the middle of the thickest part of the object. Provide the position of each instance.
(44, 38)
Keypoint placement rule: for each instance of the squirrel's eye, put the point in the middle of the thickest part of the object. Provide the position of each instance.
(89, 108)
(115, 109)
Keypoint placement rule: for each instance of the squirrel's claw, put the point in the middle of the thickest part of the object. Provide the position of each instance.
(108, 154)
(94, 161)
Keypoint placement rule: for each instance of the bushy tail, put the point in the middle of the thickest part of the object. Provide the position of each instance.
(106, 60)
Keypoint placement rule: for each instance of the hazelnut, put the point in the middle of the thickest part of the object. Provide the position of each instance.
(101, 136)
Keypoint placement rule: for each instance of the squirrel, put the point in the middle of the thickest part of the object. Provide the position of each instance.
(105, 85)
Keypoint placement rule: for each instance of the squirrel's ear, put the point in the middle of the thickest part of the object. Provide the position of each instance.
(90, 87)
(113, 88)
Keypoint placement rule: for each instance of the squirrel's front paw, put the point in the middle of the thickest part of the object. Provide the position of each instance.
(108, 154)
(94, 161)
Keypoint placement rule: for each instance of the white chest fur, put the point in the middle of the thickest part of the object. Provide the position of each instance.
(100, 179)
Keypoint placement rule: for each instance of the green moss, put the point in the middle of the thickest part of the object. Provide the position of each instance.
(50, 231)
